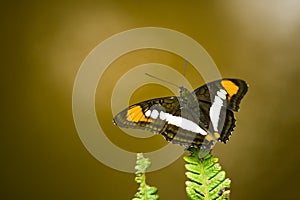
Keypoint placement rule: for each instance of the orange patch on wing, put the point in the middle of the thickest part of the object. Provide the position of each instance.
(217, 135)
(136, 114)
(210, 138)
(230, 87)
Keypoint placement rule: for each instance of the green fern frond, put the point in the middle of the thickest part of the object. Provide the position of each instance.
(206, 181)
(145, 192)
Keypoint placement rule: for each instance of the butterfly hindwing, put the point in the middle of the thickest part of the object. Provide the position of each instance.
(228, 125)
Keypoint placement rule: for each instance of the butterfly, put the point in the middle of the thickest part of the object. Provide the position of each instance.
(194, 119)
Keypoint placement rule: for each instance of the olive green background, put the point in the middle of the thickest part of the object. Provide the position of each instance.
(43, 44)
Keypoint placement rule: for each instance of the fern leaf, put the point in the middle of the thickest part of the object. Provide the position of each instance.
(145, 192)
(206, 181)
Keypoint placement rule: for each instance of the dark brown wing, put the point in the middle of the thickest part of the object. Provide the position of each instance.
(138, 116)
(235, 91)
(146, 115)
(235, 88)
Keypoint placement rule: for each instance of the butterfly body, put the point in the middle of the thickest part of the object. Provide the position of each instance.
(194, 119)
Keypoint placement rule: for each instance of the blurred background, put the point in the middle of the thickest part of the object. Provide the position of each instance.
(44, 44)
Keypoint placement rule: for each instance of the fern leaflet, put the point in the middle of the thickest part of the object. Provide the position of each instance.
(145, 192)
(206, 181)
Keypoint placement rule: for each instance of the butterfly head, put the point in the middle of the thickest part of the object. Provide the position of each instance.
(184, 92)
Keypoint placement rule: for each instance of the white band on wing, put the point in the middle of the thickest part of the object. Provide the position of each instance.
(176, 120)
(215, 108)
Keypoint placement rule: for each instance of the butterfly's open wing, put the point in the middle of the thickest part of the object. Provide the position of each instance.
(164, 116)
(217, 101)
(178, 121)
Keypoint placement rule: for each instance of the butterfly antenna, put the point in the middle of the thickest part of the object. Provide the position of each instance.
(184, 70)
(162, 80)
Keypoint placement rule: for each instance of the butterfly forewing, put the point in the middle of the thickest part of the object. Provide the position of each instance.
(235, 89)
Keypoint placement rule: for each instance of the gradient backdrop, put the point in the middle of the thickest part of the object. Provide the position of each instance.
(44, 43)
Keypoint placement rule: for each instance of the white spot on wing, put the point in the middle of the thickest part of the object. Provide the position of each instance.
(222, 94)
(154, 114)
(223, 91)
(162, 115)
(148, 113)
